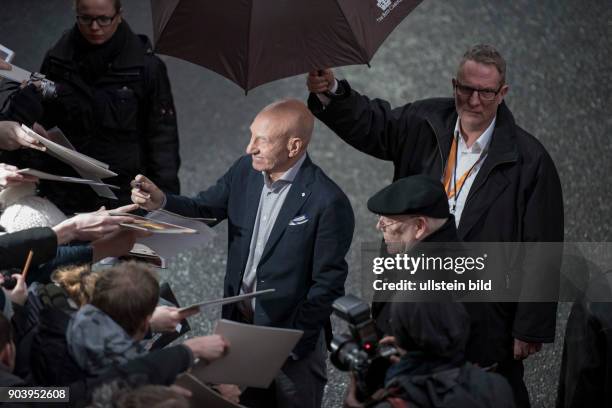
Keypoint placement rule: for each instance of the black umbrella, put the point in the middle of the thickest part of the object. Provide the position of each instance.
(252, 42)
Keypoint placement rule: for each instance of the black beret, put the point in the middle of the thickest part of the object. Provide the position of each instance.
(418, 195)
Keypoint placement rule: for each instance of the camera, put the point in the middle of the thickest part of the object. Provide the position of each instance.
(359, 351)
(48, 89)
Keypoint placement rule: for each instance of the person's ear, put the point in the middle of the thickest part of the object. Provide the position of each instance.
(294, 145)
(502, 93)
(421, 225)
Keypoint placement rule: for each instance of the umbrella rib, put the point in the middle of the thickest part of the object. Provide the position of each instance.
(165, 25)
(364, 54)
(248, 51)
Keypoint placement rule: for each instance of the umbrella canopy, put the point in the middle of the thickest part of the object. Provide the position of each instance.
(252, 42)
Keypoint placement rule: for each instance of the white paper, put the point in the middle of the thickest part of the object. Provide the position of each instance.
(56, 135)
(255, 357)
(15, 74)
(71, 157)
(203, 395)
(6, 54)
(101, 190)
(227, 300)
(46, 176)
(169, 245)
(87, 167)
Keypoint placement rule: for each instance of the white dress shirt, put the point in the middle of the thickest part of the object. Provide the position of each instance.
(466, 158)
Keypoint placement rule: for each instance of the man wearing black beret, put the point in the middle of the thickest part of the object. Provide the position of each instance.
(413, 209)
(431, 336)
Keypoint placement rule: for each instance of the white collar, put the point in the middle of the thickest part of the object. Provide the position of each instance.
(481, 143)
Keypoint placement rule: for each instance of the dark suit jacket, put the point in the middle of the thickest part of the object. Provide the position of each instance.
(304, 263)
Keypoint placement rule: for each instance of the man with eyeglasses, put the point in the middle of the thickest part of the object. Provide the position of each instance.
(501, 184)
(113, 102)
(411, 210)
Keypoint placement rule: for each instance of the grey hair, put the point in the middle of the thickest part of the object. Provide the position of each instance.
(488, 55)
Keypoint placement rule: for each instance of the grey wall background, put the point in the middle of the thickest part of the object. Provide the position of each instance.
(559, 69)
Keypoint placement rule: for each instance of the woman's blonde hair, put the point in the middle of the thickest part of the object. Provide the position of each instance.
(78, 282)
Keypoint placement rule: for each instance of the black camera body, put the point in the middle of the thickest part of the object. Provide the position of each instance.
(359, 351)
(47, 88)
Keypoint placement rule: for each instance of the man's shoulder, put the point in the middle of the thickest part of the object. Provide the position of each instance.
(327, 188)
(528, 145)
(433, 108)
(530, 148)
(435, 104)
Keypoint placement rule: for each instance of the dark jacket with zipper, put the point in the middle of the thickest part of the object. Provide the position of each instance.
(124, 117)
(516, 196)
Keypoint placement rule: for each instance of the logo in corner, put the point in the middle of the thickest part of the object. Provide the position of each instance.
(386, 6)
(383, 4)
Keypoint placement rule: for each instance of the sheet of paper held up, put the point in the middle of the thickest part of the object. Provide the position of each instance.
(46, 176)
(88, 167)
(15, 74)
(266, 348)
(169, 245)
(227, 300)
(202, 394)
(72, 157)
(56, 134)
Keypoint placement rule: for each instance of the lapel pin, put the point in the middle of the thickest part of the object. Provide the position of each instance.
(303, 194)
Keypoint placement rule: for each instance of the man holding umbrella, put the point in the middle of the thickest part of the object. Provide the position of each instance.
(501, 183)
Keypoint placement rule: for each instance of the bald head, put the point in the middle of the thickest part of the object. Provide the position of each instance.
(292, 118)
(280, 135)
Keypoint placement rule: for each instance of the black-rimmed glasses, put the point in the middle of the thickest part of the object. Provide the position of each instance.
(102, 21)
(484, 94)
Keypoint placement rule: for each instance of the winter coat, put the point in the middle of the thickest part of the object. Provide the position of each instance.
(125, 118)
(516, 196)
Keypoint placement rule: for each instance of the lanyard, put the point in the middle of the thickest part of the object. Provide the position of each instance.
(451, 167)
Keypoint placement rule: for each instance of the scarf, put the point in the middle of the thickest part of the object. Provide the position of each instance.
(93, 60)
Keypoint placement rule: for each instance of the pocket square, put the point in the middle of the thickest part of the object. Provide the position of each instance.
(300, 219)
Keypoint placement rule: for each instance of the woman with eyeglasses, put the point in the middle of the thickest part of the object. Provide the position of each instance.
(112, 101)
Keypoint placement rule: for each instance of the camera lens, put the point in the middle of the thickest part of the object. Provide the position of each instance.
(346, 354)
(48, 89)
